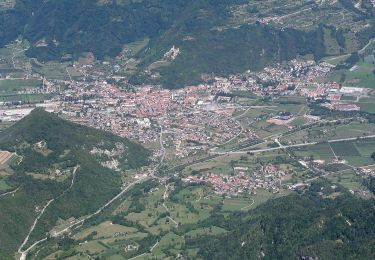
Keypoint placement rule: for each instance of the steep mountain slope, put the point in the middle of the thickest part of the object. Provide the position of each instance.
(220, 37)
(324, 223)
(58, 27)
(231, 51)
(79, 167)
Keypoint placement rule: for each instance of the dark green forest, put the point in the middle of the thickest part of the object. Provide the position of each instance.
(319, 224)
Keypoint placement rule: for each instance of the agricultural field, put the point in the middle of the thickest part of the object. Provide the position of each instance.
(26, 98)
(321, 151)
(3, 185)
(235, 204)
(224, 164)
(348, 98)
(13, 86)
(264, 129)
(363, 158)
(330, 131)
(5, 157)
(348, 179)
(338, 167)
(343, 149)
(300, 121)
(55, 70)
(203, 231)
(367, 104)
(355, 153)
(137, 46)
(362, 75)
(147, 219)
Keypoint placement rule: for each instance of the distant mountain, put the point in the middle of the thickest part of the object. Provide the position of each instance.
(56, 27)
(77, 166)
(324, 223)
(226, 37)
(213, 36)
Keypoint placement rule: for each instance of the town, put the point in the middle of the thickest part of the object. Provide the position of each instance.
(183, 125)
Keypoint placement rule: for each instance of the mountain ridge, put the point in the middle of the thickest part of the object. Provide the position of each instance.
(212, 35)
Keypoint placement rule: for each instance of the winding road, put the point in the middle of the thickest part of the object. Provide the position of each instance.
(25, 252)
(81, 221)
(9, 192)
(248, 206)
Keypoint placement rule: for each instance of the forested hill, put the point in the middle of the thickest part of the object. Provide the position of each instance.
(59, 135)
(324, 223)
(213, 36)
(61, 161)
(70, 26)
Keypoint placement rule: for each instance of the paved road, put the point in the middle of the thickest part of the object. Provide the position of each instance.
(248, 206)
(151, 249)
(292, 146)
(25, 252)
(361, 51)
(101, 208)
(16, 51)
(161, 148)
(10, 192)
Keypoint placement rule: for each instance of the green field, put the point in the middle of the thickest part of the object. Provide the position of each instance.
(28, 98)
(105, 230)
(292, 100)
(54, 70)
(336, 167)
(348, 98)
(204, 231)
(187, 205)
(347, 179)
(299, 121)
(3, 185)
(235, 204)
(345, 149)
(11, 86)
(138, 45)
(365, 148)
(320, 151)
(356, 153)
(367, 104)
(91, 247)
(331, 132)
(363, 76)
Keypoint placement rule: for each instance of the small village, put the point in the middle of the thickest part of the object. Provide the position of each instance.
(268, 178)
